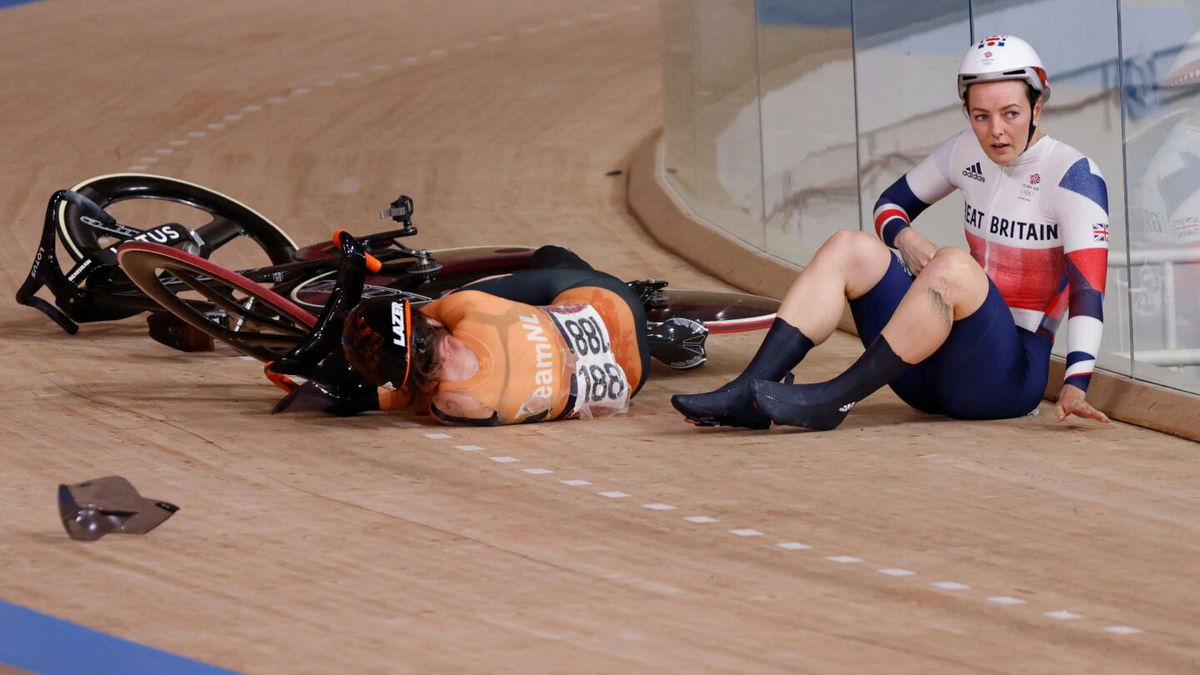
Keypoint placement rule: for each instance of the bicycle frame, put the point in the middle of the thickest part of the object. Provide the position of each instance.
(95, 289)
(103, 299)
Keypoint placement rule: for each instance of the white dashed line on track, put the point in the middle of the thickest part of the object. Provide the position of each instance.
(745, 532)
(468, 448)
(793, 546)
(537, 471)
(896, 572)
(950, 586)
(700, 519)
(844, 559)
(504, 459)
(1122, 630)
(437, 436)
(614, 494)
(576, 482)
(1064, 615)
(658, 507)
(1005, 600)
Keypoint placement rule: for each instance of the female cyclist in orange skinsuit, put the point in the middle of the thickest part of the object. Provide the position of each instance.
(558, 342)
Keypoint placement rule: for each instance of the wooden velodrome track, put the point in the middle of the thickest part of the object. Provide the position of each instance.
(898, 543)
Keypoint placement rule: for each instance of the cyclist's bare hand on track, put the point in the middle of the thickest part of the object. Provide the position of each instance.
(915, 249)
(1071, 402)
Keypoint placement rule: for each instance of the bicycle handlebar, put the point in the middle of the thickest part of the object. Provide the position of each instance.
(342, 239)
(305, 358)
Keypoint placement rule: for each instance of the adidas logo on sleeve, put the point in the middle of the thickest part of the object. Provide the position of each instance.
(974, 171)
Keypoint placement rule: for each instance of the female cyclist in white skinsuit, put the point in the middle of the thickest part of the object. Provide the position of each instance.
(970, 335)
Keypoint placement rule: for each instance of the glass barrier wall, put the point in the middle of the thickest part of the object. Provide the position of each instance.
(806, 82)
(714, 149)
(1160, 93)
(785, 120)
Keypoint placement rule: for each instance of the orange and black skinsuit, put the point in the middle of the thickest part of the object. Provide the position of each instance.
(526, 366)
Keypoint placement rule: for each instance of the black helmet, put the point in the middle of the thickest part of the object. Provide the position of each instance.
(377, 340)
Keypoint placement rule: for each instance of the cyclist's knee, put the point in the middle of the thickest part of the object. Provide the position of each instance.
(850, 246)
(952, 263)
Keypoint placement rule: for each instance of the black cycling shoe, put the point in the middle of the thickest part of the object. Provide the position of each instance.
(730, 406)
(800, 405)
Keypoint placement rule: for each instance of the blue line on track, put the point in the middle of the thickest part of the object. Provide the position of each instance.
(41, 643)
(14, 3)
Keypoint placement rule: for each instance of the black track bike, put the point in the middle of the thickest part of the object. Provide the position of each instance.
(162, 256)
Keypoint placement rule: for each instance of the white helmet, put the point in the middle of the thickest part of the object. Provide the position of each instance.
(1002, 57)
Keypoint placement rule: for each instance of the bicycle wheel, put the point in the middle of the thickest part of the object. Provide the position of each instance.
(155, 201)
(218, 301)
(721, 312)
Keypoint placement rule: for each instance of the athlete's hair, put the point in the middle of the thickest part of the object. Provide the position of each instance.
(1030, 93)
(372, 350)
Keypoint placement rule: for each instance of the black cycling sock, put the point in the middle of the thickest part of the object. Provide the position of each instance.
(733, 404)
(780, 351)
(824, 405)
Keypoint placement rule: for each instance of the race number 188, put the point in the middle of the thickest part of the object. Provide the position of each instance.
(586, 336)
(602, 383)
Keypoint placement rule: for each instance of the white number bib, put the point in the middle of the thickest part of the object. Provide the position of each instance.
(599, 384)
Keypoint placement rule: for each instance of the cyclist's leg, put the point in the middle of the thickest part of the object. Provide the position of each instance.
(988, 368)
(872, 311)
(951, 287)
(848, 265)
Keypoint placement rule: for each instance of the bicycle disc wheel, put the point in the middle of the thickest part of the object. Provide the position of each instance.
(218, 301)
(152, 200)
(721, 312)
